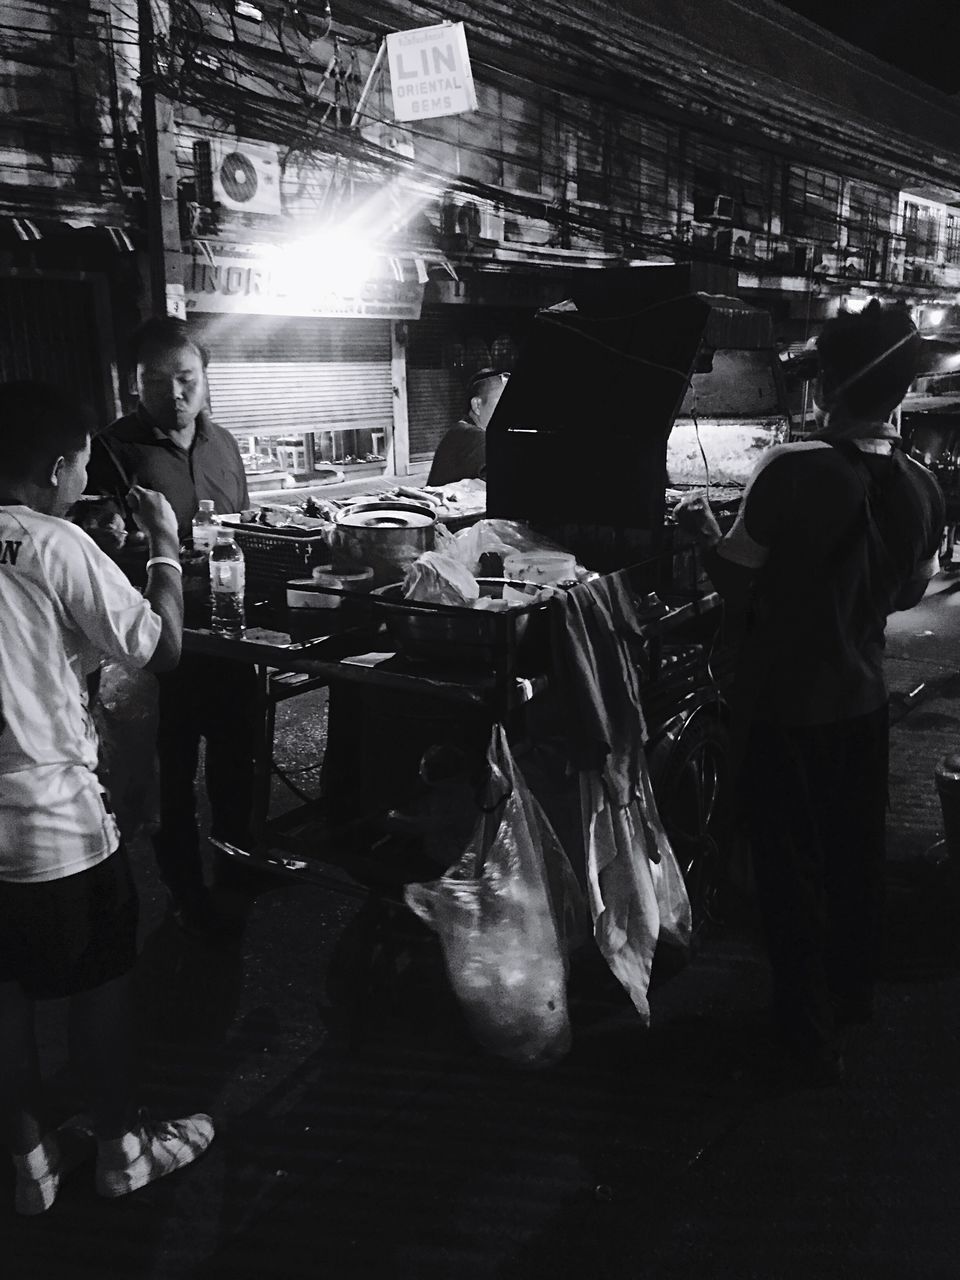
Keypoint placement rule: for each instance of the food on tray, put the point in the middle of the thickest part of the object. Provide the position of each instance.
(280, 516)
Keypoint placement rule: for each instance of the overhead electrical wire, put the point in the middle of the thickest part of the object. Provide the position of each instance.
(253, 105)
(294, 78)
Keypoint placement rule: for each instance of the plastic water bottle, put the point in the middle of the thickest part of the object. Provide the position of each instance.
(226, 585)
(204, 527)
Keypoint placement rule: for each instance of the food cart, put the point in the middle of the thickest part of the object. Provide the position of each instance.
(577, 451)
(930, 427)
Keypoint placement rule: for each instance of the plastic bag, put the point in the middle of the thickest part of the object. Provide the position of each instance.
(501, 536)
(125, 714)
(440, 578)
(507, 914)
(634, 885)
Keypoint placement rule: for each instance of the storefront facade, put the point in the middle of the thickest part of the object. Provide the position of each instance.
(305, 377)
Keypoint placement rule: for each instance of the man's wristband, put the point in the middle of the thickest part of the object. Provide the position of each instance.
(174, 564)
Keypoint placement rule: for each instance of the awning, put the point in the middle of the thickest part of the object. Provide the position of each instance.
(15, 232)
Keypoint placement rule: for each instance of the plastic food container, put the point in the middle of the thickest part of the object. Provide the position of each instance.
(456, 635)
(309, 593)
(545, 567)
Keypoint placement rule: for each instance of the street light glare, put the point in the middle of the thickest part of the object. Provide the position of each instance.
(333, 261)
(935, 317)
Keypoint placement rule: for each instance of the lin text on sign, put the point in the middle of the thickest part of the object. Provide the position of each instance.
(430, 72)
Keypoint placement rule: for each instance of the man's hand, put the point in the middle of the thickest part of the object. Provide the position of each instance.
(154, 515)
(101, 518)
(693, 514)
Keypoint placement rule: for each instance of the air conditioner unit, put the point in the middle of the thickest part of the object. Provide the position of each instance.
(241, 176)
(766, 248)
(845, 262)
(742, 242)
(468, 221)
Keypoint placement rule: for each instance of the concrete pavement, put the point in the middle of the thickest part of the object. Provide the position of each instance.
(361, 1134)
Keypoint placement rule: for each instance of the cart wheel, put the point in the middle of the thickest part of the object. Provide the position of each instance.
(694, 793)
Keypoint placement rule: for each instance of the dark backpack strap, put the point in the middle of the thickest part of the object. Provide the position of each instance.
(885, 572)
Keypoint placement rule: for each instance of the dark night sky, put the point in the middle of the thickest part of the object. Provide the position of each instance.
(922, 37)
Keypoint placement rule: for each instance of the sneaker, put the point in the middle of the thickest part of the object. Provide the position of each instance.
(37, 1177)
(39, 1172)
(150, 1152)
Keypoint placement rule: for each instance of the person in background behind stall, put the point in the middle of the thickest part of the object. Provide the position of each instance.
(462, 452)
(834, 534)
(170, 444)
(68, 906)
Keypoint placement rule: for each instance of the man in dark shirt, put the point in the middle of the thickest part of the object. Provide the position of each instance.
(170, 444)
(462, 452)
(833, 535)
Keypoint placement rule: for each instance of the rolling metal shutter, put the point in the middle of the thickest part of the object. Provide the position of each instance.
(446, 346)
(434, 388)
(275, 375)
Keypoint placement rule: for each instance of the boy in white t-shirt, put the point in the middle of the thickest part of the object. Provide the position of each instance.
(68, 908)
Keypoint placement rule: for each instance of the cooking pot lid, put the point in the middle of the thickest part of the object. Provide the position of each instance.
(386, 518)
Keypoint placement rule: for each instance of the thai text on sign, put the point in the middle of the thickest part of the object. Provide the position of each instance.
(430, 72)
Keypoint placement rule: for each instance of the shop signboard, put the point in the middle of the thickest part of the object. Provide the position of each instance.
(250, 286)
(430, 72)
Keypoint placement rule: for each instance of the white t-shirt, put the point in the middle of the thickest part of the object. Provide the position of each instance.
(64, 608)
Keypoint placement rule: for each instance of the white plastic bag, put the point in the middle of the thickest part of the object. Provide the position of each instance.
(440, 578)
(125, 713)
(501, 536)
(507, 913)
(634, 885)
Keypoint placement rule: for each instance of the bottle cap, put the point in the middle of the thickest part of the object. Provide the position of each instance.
(206, 504)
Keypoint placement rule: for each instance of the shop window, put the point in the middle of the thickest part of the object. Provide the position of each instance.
(921, 230)
(522, 143)
(302, 455)
(812, 206)
(870, 212)
(951, 245)
(658, 151)
(711, 199)
(593, 160)
(478, 139)
(727, 185)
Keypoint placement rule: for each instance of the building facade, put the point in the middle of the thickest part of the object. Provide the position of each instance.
(349, 273)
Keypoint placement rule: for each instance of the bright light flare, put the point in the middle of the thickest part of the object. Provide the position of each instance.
(334, 261)
(935, 317)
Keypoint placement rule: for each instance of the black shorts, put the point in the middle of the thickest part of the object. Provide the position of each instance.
(61, 937)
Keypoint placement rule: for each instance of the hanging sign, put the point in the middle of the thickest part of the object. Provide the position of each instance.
(224, 283)
(430, 72)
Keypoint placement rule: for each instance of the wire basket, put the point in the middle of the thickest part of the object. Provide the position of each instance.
(273, 556)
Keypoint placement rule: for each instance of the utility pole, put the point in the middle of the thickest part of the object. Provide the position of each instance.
(160, 177)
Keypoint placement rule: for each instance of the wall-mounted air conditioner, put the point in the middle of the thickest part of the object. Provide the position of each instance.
(844, 262)
(470, 221)
(243, 177)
